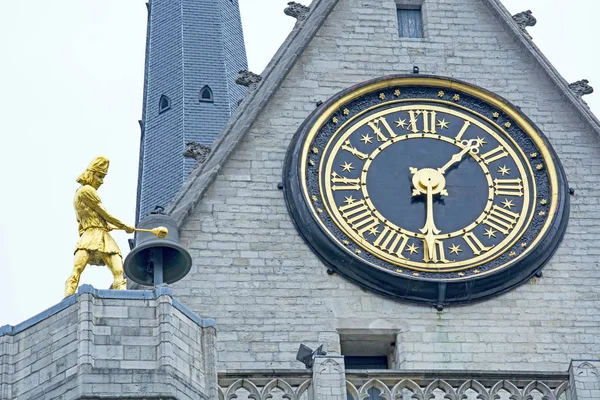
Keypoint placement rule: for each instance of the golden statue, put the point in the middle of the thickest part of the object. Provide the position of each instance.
(95, 246)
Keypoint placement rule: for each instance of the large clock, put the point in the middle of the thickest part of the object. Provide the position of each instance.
(426, 189)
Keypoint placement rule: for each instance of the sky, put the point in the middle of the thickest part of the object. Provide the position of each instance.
(71, 82)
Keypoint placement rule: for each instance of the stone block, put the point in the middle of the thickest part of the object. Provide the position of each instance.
(105, 358)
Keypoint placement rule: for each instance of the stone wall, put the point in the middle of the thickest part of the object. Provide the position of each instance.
(269, 292)
(110, 344)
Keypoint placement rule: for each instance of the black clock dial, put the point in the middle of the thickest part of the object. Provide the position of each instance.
(426, 189)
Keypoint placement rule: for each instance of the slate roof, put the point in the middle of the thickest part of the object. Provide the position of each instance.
(291, 50)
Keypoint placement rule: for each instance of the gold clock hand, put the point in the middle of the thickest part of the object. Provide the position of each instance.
(430, 229)
(471, 146)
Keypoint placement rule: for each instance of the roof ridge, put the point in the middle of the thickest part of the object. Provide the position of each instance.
(553, 74)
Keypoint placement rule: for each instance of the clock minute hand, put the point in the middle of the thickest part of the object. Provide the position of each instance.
(470, 146)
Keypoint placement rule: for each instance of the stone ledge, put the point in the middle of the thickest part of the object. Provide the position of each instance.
(107, 294)
(112, 345)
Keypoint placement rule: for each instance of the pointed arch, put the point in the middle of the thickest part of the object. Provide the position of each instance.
(206, 95)
(365, 391)
(164, 103)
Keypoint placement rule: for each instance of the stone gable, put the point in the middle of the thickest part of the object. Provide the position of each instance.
(269, 292)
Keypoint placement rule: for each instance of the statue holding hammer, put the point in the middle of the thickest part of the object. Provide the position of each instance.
(95, 245)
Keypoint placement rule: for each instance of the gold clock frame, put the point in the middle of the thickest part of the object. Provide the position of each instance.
(450, 86)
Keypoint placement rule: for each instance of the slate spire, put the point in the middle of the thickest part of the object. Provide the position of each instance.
(194, 51)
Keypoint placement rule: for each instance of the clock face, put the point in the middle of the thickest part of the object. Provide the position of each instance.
(426, 189)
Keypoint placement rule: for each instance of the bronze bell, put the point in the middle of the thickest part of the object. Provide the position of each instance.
(154, 261)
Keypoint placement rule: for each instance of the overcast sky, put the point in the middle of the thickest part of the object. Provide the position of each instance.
(71, 89)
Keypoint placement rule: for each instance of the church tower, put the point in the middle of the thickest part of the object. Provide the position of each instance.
(194, 51)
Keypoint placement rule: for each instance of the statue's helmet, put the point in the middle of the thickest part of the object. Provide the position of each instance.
(99, 164)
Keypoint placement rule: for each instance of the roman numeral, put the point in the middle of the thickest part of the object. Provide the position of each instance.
(366, 225)
(392, 242)
(475, 244)
(438, 252)
(348, 147)
(494, 155)
(429, 121)
(375, 125)
(501, 219)
(508, 187)
(358, 216)
(462, 131)
(348, 183)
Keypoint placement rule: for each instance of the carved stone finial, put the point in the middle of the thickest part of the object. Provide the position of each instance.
(196, 151)
(581, 88)
(525, 19)
(158, 210)
(249, 79)
(297, 10)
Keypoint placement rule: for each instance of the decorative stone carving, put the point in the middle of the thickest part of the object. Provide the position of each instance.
(525, 19)
(158, 210)
(196, 151)
(407, 388)
(581, 88)
(249, 79)
(297, 10)
(273, 389)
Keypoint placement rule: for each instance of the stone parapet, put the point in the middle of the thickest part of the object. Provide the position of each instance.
(329, 380)
(110, 344)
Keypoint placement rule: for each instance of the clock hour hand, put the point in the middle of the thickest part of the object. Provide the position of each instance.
(470, 146)
(429, 230)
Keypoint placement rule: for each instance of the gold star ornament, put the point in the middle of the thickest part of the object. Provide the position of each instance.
(346, 111)
(315, 150)
(504, 170)
(412, 248)
(347, 167)
(397, 92)
(490, 233)
(381, 96)
(455, 249)
(441, 93)
(401, 123)
(508, 204)
(366, 139)
(349, 200)
(443, 124)
(456, 97)
(496, 115)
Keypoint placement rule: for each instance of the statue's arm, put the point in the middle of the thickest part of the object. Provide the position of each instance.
(108, 217)
(90, 197)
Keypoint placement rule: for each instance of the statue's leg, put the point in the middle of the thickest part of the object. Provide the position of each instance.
(115, 264)
(81, 260)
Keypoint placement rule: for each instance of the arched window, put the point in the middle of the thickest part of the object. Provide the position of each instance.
(206, 95)
(164, 104)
